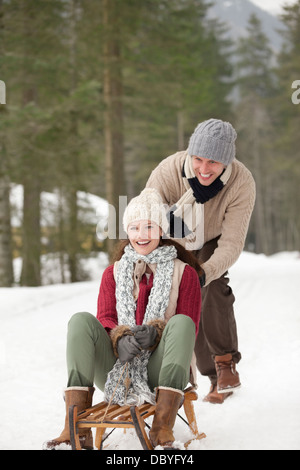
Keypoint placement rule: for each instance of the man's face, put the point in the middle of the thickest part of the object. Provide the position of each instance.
(206, 170)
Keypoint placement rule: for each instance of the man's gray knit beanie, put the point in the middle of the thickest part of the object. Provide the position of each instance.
(214, 139)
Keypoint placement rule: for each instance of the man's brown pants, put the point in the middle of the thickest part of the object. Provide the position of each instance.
(217, 330)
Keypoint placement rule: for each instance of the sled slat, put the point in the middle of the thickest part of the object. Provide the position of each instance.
(102, 416)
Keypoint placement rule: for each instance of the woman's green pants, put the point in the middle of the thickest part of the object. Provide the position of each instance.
(90, 354)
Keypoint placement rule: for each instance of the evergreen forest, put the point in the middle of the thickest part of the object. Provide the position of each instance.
(95, 93)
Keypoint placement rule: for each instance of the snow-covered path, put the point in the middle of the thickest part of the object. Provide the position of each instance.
(263, 414)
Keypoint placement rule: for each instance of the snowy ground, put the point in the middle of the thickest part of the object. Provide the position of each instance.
(263, 415)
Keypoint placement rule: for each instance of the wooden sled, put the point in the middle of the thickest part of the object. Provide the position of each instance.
(102, 416)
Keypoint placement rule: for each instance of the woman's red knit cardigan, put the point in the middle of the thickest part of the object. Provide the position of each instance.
(188, 302)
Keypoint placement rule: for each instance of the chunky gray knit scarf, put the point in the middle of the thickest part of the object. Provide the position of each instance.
(138, 391)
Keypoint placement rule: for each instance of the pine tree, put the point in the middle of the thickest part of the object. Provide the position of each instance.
(6, 264)
(255, 86)
(177, 74)
(53, 132)
(287, 143)
(75, 122)
(102, 91)
(113, 112)
(37, 21)
(31, 35)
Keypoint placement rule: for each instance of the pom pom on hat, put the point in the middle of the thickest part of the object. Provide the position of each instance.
(148, 205)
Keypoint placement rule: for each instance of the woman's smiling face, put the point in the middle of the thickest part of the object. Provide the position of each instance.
(144, 236)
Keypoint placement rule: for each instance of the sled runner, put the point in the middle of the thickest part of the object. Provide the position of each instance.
(103, 416)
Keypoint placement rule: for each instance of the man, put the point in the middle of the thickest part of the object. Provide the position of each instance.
(211, 196)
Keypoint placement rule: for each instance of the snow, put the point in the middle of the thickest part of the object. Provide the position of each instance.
(92, 208)
(263, 415)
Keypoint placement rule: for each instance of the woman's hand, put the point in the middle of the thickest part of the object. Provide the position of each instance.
(128, 348)
(145, 335)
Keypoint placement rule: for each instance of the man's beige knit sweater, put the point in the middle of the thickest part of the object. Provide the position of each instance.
(226, 215)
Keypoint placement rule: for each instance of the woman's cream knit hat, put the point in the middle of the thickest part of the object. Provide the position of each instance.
(148, 205)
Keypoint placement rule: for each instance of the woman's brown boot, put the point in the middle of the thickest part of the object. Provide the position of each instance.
(168, 401)
(82, 397)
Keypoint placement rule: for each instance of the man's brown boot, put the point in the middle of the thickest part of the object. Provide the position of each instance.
(214, 397)
(82, 397)
(228, 378)
(168, 401)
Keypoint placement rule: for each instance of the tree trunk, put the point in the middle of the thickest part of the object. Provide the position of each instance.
(180, 131)
(6, 263)
(73, 244)
(31, 275)
(113, 116)
(31, 233)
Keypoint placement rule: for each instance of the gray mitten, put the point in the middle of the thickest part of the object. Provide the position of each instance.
(128, 348)
(145, 335)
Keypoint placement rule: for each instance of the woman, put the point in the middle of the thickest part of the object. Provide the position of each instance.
(147, 321)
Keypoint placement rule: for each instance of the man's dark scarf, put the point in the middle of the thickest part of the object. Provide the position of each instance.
(201, 194)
